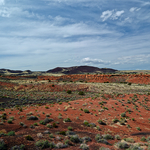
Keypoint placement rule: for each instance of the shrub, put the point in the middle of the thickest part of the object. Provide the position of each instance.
(62, 132)
(143, 139)
(84, 146)
(138, 128)
(69, 91)
(75, 139)
(104, 148)
(11, 133)
(21, 123)
(117, 137)
(49, 126)
(51, 135)
(101, 122)
(32, 118)
(42, 144)
(86, 123)
(107, 136)
(55, 125)
(16, 147)
(115, 120)
(9, 121)
(130, 140)
(81, 93)
(98, 137)
(28, 137)
(122, 145)
(3, 146)
(70, 128)
(86, 111)
(67, 120)
(134, 147)
(123, 114)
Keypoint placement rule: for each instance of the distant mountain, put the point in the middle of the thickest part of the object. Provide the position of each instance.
(8, 71)
(81, 70)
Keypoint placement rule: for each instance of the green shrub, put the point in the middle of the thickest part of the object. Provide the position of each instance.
(28, 137)
(101, 122)
(143, 139)
(44, 144)
(86, 111)
(75, 139)
(107, 137)
(69, 91)
(9, 121)
(130, 140)
(3, 146)
(84, 146)
(81, 93)
(138, 128)
(67, 120)
(117, 137)
(86, 123)
(123, 114)
(11, 133)
(70, 128)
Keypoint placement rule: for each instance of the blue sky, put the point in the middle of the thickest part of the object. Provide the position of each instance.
(43, 34)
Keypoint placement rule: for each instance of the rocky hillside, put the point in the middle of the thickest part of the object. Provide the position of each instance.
(81, 70)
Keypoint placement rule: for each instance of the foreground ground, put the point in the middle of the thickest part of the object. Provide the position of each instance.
(43, 113)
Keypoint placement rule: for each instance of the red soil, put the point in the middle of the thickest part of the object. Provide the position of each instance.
(116, 106)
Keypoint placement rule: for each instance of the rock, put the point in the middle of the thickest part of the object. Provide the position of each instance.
(46, 132)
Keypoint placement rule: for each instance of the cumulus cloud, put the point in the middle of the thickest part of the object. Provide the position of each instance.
(113, 14)
(106, 14)
(88, 60)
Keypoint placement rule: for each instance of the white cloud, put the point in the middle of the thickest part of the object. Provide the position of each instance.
(4, 12)
(88, 60)
(113, 14)
(2, 2)
(117, 14)
(134, 9)
(106, 14)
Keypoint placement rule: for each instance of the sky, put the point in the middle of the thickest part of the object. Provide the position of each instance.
(39, 35)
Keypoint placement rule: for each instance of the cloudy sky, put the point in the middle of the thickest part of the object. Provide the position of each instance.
(43, 34)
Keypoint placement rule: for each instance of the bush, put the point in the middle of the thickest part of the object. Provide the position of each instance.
(28, 137)
(84, 146)
(67, 120)
(16, 147)
(70, 128)
(11, 133)
(123, 114)
(143, 139)
(75, 139)
(32, 118)
(134, 147)
(86, 111)
(9, 121)
(117, 137)
(86, 123)
(44, 144)
(81, 93)
(107, 137)
(98, 137)
(101, 122)
(49, 126)
(122, 145)
(130, 140)
(69, 91)
(3, 146)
